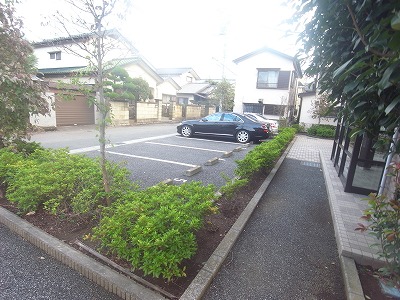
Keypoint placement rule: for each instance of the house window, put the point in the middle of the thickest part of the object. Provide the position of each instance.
(274, 109)
(267, 78)
(55, 55)
(189, 79)
(273, 79)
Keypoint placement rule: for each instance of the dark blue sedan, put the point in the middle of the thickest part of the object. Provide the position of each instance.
(226, 124)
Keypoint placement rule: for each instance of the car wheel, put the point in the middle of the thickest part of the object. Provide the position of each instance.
(242, 136)
(186, 131)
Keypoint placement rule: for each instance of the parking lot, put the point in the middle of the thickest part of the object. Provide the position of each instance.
(154, 159)
(153, 153)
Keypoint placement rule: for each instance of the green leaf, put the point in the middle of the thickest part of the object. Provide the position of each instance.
(395, 22)
(392, 105)
(341, 69)
(385, 81)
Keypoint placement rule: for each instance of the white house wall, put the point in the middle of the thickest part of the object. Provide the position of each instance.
(306, 113)
(69, 57)
(246, 81)
(165, 88)
(47, 120)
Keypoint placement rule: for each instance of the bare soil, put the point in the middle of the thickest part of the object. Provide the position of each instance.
(370, 283)
(69, 229)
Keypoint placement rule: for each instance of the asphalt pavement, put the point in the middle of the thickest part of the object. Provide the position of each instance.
(288, 248)
(26, 272)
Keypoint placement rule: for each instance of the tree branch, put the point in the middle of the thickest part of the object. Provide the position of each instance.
(360, 34)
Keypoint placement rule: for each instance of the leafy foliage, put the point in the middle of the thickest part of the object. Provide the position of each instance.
(154, 229)
(383, 216)
(321, 130)
(60, 182)
(20, 94)
(355, 52)
(263, 156)
(224, 95)
(121, 87)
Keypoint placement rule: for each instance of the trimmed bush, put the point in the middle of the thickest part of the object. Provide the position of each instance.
(321, 130)
(61, 182)
(154, 229)
(263, 156)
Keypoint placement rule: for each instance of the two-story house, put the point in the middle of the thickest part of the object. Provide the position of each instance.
(266, 83)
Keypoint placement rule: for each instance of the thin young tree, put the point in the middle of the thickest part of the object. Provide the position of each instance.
(320, 107)
(93, 18)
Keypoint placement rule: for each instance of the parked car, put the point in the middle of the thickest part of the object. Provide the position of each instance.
(260, 118)
(227, 124)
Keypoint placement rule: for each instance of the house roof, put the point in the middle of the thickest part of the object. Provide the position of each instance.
(295, 61)
(59, 41)
(173, 83)
(196, 88)
(107, 66)
(170, 72)
(61, 71)
(139, 60)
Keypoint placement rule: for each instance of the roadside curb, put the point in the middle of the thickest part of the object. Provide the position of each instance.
(202, 281)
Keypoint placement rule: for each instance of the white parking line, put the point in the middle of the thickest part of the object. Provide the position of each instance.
(155, 159)
(186, 147)
(206, 140)
(94, 148)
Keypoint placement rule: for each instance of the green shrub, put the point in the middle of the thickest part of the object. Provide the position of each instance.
(154, 229)
(321, 130)
(299, 127)
(25, 147)
(9, 162)
(63, 183)
(232, 185)
(263, 156)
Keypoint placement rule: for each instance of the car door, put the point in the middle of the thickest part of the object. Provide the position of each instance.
(229, 124)
(208, 124)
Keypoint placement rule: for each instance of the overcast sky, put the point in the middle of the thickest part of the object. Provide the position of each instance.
(203, 34)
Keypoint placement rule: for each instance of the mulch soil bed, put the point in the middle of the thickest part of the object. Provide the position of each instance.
(69, 229)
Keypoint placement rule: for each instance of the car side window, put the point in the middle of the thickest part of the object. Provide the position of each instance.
(213, 117)
(231, 118)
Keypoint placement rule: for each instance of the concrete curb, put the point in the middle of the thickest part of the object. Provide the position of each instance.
(202, 281)
(353, 286)
(104, 276)
(193, 171)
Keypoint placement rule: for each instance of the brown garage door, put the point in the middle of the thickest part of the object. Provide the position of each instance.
(76, 111)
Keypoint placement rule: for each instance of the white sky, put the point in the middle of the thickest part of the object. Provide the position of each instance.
(188, 33)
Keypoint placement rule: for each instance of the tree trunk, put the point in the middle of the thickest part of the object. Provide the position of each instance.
(103, 105)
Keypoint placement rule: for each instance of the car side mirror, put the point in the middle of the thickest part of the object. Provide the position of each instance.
(204, 120)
